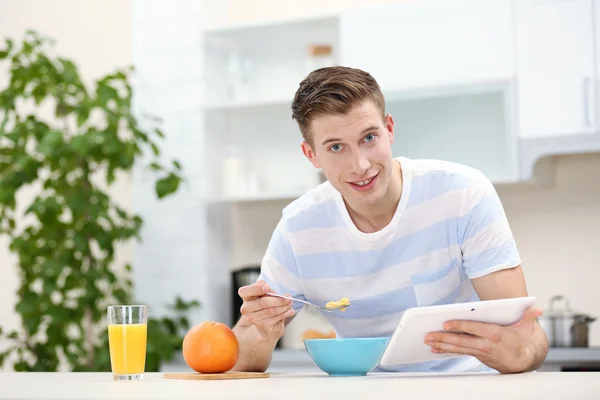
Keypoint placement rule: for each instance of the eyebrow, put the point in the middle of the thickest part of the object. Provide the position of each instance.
(370, 128)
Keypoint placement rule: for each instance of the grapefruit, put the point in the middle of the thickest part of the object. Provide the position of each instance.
(211, 347)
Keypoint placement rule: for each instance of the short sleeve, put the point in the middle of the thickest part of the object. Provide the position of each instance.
(278, 267)
(484, 233)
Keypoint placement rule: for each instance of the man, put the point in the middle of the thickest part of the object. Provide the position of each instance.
(389, 234)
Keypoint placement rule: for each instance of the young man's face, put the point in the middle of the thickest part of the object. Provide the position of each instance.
(354, 152)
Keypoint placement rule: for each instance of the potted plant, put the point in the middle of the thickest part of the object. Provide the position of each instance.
(67, 142)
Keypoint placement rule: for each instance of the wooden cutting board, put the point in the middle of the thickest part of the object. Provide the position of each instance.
(224, 375)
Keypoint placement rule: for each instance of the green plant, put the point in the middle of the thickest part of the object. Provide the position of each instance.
(67, 143)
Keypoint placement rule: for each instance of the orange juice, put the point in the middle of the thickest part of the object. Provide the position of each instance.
(127, 344)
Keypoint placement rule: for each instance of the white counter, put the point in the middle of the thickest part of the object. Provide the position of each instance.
(535, 385)
(285, 360)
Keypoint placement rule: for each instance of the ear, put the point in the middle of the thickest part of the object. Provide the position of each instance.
(310, 154)
(389, 125)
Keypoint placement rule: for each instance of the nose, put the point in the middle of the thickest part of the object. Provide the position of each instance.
(360, 163)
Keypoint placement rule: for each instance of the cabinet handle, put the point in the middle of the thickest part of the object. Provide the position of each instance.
(587, 102)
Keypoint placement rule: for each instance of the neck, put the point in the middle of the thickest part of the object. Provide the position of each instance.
(374, 217)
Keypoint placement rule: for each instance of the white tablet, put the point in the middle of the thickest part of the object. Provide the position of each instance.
(407, 344)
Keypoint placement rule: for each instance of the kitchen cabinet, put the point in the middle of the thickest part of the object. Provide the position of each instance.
(555, 67)
(596, 8)
(422, 44)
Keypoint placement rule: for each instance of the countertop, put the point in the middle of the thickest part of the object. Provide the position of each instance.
(313, 386)
(294, 361)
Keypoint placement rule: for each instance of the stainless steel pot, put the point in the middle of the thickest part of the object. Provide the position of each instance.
(565, 328)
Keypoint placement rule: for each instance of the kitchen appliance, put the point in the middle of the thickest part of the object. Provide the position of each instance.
(244, 276)
(563, 327)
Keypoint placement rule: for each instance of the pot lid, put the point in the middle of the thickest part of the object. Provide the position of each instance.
(565, 311)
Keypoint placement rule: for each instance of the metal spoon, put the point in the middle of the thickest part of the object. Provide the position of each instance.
(322, 308)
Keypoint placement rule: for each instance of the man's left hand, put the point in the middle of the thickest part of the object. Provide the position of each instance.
(507, 349)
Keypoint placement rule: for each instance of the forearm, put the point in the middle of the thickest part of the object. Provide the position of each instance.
(255, 350)
(537, 349)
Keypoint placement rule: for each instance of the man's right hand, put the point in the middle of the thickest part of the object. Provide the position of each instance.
(266, 313)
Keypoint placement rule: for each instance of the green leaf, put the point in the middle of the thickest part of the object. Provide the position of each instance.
(155, 149)
(121, 296)
(49, 287)
(176, 164)
(5, 52)
(31, 324)
(80, 144)
(159, 132)
(167, 185)
(51, 142)
(105, 94)
(184, 323)
(3, 357)
(21, 366)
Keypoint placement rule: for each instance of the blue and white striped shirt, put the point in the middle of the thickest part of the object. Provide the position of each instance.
(449, 227)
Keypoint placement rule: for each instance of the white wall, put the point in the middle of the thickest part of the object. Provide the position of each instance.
(174, 258)
(96, 35)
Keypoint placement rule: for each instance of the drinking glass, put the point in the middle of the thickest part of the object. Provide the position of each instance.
(127, 335)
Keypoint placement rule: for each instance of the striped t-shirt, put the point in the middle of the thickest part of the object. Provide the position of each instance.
(449, 227)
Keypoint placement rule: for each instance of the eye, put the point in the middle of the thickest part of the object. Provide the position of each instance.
(370, 137)
(335, 148)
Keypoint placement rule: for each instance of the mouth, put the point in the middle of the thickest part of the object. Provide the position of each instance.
(365, 184)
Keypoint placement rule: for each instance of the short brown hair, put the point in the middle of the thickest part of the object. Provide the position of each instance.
(333, 90)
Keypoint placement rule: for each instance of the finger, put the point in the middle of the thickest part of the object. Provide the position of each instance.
(270, 314)
(466, 341)
(257, 289)
(271, 321)
(268, 317)
(442, 347)
(482, 329)
(264, 303)
(531, 314)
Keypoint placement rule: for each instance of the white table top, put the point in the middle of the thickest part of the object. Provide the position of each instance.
(535, 385)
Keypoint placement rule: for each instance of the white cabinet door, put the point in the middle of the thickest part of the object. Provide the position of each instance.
(596, 6)
(430, 43)
(555, 64)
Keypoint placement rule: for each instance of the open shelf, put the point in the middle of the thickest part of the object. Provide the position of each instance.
(262, 64)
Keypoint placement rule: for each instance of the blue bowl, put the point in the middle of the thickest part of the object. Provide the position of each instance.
(346, 356)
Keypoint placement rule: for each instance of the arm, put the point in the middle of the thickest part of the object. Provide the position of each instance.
(255, 350)
(492, 263)
(255, 353)
(511, 283)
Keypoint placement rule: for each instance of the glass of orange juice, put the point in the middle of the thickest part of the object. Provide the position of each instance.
(127, 334)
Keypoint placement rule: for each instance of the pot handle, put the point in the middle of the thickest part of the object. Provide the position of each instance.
(587, 319)
(559, 298)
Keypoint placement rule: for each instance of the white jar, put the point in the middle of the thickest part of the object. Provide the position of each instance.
(233, 174)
